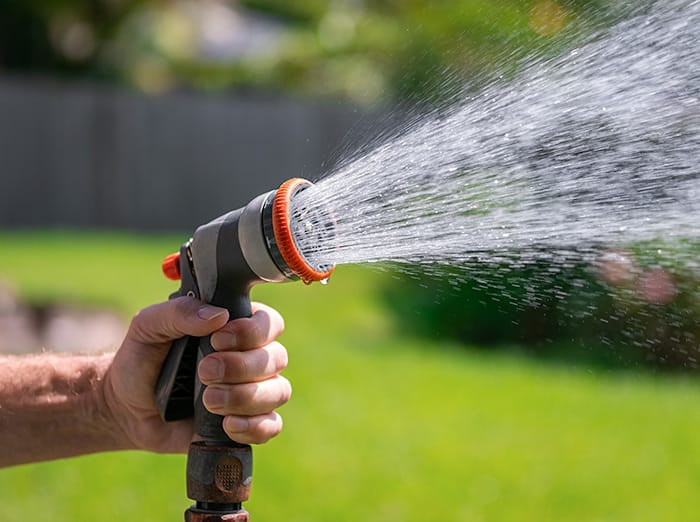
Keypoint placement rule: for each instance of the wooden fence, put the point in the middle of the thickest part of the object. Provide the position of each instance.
(89, 156)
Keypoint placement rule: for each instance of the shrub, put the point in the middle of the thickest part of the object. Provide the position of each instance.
(626, 308)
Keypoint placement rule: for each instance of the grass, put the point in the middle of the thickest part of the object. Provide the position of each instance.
(382, 427)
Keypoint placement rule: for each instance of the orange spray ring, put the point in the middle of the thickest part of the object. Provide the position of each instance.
(282, 229)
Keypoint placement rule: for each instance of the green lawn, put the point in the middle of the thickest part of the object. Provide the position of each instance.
(382, 427)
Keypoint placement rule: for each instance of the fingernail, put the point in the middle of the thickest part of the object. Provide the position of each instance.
(214, 397)
(236, 424)
(211, 369)
(210, 312)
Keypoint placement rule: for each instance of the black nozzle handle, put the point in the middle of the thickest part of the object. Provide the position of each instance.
(209, 425)
(174, 393)
(232, 292)
(175, 388)
(179, 390)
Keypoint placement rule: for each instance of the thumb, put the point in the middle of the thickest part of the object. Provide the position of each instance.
(165, 322)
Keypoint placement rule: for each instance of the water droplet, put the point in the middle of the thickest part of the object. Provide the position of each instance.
(590, 148)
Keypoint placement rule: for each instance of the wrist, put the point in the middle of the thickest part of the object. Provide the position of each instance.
(103, 411)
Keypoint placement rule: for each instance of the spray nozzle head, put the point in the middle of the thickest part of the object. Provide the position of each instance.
(300, 230)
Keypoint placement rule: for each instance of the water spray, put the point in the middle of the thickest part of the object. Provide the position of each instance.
(582, 154)
(219, 265)
(597, 146)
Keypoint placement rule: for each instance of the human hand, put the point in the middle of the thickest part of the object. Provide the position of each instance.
(242, 374)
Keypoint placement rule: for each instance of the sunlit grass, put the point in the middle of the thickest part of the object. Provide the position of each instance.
(381, 427)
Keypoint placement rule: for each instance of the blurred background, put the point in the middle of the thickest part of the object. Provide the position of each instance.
(124, 124)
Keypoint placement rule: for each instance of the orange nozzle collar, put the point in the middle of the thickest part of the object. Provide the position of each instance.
(283, 233)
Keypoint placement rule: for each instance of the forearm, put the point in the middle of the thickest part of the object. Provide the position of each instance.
(52, 406)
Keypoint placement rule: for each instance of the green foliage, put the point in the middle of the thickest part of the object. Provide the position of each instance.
(499, 304)
(364, 51)
(638, 308)
(382, 426)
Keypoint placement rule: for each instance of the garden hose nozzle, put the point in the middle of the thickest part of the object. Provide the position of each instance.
(219, 265)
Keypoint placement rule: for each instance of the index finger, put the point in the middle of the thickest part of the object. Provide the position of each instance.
(247, 333)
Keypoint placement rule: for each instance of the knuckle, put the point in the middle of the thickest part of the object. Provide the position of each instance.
(263, 436)
(140, 319)
(247, 333)
(277, 320)
(256, 334)
(285, 392)
(258, 429)
(137, 322)
(182, 306)
(282, 325)
(145, 325)
(242, 396)
(263, 431)
(237, 366)
(281, 357)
